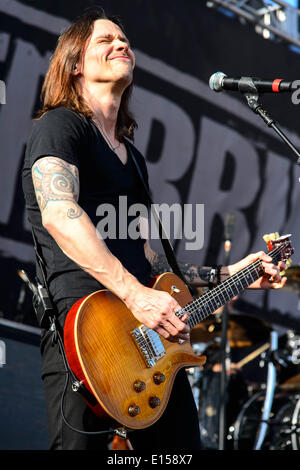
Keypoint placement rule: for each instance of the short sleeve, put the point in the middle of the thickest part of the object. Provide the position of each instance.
(58, 133)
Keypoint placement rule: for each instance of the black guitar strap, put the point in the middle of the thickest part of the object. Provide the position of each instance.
(169, 252)
(42, 302)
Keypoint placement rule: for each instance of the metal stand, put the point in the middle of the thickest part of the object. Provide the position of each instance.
(271, 385)
(225, 362)
(248, 88)
(225, 346)
(2, 353)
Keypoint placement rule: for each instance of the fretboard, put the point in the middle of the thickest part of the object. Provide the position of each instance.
(208, 303)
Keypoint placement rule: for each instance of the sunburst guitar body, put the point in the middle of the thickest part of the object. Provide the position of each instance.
(115, 366)
(129, 369)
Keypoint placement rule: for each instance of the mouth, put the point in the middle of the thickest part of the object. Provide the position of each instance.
(121, 57)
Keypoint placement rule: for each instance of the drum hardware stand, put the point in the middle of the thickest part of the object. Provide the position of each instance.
(2, 353)
(225, 346)
(270, 389)
(249, 90)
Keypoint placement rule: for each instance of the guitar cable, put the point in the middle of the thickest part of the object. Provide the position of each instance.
(77, 387)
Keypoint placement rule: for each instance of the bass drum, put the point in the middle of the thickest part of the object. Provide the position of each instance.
(283, 431)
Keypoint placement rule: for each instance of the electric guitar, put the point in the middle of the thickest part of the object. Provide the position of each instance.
(126, 369)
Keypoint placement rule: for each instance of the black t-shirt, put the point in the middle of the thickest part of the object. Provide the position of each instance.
(104, 179)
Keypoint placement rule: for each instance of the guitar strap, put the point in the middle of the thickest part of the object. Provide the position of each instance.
(169, 252)
(42, 303)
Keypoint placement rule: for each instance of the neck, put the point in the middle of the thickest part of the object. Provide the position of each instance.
(104, 102)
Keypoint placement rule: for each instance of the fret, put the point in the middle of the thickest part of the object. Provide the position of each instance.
(232, 291)
(248, 278)
(242, 284)
(212, 306)
(199, 315)
(206, 312)
(195, 318)
(229, 293)
(258, 273)
(236, 288)
(221, 302)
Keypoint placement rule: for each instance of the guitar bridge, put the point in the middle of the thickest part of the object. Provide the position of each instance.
(149, 344)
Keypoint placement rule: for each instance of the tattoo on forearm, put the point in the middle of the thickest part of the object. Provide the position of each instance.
(159, 264)
(56, 180)
(194, 274)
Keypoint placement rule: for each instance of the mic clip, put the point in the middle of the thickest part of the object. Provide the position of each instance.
(249, 90)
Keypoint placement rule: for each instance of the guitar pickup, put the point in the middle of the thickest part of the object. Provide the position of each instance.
(149, 344)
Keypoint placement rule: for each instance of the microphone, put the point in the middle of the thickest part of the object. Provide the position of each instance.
(219, 82)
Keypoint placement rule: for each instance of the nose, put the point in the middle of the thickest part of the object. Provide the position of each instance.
(121, 45)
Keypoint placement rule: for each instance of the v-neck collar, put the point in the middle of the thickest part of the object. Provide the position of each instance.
(114, 153)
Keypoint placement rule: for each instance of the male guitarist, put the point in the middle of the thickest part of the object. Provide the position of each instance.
(81, 136)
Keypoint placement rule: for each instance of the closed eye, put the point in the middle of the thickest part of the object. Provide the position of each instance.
(110, 37)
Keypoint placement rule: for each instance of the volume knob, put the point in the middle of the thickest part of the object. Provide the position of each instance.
(139, 386)
(154, 402)
(158, 378)
(133, 410)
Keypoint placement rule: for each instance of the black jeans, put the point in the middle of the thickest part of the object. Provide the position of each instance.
(177, 429)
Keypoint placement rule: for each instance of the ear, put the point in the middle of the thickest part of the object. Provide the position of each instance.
(76, 70)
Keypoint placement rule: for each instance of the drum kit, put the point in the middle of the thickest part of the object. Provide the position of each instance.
(262, 402)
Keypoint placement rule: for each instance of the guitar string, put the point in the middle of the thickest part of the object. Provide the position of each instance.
(232, 280)
(195, 308)
(223, 288)
(209, 296)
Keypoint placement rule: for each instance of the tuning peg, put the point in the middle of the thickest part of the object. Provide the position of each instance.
(270, 237)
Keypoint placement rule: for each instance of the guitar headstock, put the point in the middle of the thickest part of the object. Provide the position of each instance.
(281, 246)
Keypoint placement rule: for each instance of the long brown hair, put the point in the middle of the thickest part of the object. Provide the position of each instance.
(59, 87)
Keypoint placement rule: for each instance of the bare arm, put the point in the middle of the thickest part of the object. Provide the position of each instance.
(56, 186)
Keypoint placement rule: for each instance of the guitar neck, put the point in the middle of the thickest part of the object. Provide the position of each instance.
(208, 303)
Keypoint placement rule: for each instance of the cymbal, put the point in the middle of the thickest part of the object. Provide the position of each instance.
(293, 383)
(293, 279)
(243, 330)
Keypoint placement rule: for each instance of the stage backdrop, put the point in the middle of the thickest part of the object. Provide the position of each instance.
(201, 147)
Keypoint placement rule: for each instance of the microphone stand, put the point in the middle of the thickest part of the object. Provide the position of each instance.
(249, 90)
(225, 352)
